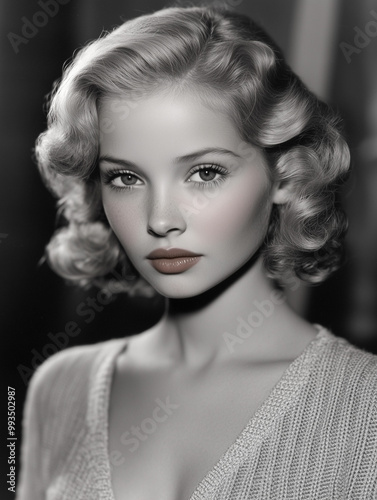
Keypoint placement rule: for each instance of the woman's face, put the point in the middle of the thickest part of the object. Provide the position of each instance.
(177, 175)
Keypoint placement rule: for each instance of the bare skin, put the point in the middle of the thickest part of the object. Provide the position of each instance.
(215, 384)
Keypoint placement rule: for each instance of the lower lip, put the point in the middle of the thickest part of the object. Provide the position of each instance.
(174, 266)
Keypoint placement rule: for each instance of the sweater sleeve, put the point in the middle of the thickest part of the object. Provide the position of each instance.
(30, 483)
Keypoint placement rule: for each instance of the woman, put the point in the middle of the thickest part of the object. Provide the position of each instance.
(183, 148)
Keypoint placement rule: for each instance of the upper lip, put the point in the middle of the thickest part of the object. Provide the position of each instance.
(171, 253)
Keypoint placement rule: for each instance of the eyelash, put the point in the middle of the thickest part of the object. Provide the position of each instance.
(109, 176)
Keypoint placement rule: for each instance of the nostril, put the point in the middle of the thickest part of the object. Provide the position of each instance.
(162, 230)
(152, 232)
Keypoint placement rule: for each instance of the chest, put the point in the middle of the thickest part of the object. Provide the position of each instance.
(166, 432)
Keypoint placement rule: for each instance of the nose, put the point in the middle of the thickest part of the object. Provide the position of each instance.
(165, 214)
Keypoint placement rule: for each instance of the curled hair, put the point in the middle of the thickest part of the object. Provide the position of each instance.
(226, 58)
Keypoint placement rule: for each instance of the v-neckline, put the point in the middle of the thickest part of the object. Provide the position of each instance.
(280, 398)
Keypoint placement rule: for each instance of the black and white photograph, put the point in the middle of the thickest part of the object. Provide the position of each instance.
(188, 242)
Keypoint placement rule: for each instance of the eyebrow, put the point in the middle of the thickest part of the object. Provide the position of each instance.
(180, 159)
(203, 152)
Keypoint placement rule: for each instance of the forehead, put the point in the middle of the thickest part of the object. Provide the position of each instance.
(164, 121)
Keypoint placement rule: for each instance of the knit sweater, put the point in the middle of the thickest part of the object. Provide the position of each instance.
(314, 437)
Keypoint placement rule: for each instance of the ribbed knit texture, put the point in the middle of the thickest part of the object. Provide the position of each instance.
(314, 437)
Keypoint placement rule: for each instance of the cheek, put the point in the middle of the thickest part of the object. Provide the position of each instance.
(124, 219)
(239, 214)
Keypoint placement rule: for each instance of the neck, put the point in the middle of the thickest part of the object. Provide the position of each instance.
(236, 318)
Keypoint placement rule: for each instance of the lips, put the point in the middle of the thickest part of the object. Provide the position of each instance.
(172, 253)
(173, 261)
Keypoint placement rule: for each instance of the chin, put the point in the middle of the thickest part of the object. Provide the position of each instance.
(177, 286)
(181, 292)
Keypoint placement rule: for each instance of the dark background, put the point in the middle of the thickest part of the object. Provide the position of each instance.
(35, 303)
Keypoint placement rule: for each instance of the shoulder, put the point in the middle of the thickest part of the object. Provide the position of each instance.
(61, 392)
(70, 370)
(343, 382)
(346, 362)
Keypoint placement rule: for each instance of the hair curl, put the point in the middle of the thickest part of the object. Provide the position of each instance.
(229, 59)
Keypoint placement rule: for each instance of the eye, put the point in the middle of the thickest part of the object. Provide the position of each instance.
(205, 174)
(119, 179)
(208, 175)
(126, 179)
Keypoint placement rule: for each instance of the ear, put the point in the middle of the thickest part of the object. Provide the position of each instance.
(281, 193)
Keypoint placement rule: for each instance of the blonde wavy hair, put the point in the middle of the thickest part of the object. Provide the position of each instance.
(226, 58)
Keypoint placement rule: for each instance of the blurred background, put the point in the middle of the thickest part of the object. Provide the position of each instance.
(331, 44)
